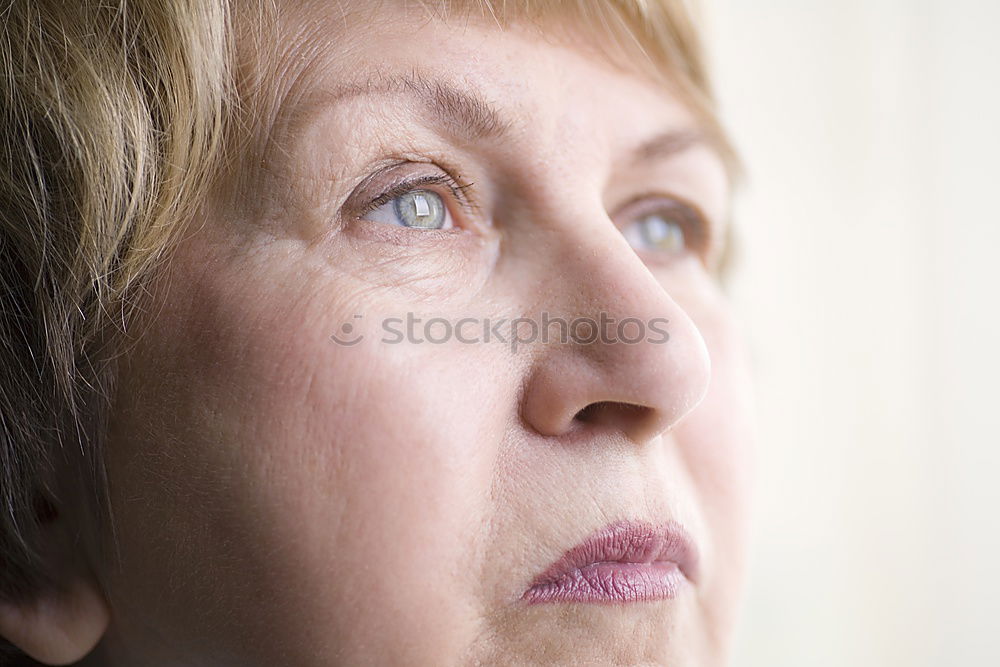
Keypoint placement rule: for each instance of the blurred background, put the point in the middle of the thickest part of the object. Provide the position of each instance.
(870, 231)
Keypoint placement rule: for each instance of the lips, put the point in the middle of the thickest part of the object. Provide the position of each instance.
(626, 561)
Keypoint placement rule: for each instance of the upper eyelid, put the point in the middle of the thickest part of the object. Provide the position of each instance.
(400, 189)
(647, 202)
(455, 188)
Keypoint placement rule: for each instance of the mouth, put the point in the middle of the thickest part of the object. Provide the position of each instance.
(626, 561)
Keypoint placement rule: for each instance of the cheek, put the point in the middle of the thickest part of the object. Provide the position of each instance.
(304, 475)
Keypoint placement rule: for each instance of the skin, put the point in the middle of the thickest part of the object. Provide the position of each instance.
(282, 499)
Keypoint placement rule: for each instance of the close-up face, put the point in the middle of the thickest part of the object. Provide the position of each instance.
(292, 483)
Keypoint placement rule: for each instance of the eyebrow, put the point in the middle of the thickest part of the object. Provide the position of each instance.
(667, 144)
(464, 112)
(467, 113)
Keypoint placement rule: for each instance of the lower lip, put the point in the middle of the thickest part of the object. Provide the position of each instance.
(612, 583)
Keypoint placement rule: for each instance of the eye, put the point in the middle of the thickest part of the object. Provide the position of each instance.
(419, 209)
(656, 232)
(666, 227)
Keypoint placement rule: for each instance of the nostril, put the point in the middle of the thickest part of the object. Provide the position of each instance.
(612, 412)
(587, 413)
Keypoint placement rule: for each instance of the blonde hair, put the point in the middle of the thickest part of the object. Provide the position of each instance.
(115, 119)
(111, 120)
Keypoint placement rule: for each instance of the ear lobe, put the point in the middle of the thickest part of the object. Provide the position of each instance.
(57, 627)
(62, 622)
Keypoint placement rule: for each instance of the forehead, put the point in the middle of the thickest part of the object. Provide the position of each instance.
(547, 81)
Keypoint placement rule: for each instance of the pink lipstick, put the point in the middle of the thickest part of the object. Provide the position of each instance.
(626, 561)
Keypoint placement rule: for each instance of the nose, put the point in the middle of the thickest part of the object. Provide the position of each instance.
(641, 374)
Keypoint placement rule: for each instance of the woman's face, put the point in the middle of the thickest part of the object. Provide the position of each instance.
(300, 476)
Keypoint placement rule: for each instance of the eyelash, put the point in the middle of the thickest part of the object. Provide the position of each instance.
(457, 189)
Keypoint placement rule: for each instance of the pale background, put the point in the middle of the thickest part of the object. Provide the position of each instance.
(871, 233)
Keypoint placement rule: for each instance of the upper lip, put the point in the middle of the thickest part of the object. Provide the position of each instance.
(628, 541)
